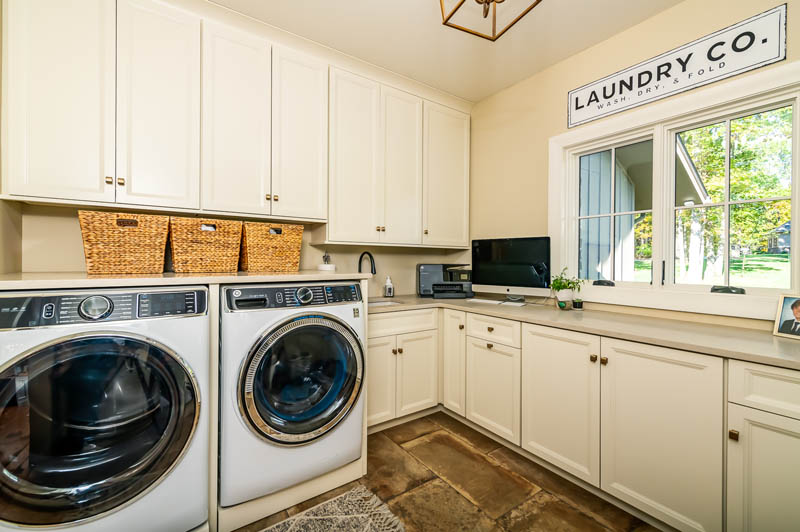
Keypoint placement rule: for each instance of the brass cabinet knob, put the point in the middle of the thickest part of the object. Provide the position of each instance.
(461, 327)
(734, 435)
(593, 358)
(383, 229)
(489, 346)
(490, 329)
(268, 197)
(109, 180)
(378, 228)
(394, 351)
(400, 350)
(275, 197)
(121, 181)
(604, 360)
(425, 232)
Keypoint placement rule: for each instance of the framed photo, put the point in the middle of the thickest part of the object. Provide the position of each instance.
(787, 322)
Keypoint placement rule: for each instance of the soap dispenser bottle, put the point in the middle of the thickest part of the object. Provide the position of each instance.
(388, 288)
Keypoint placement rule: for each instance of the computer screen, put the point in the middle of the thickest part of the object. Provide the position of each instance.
(523, 262)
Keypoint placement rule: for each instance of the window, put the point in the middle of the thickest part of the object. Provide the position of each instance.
(733, 186)
(615, 221)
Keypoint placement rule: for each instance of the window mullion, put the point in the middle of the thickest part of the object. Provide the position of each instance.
(612, 220)
(726, 210)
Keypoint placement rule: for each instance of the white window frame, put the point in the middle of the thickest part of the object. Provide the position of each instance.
(759, 91)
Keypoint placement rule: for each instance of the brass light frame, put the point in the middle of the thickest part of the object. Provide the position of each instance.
(495, 35)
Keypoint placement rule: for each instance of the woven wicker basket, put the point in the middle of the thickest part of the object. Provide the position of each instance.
(115, 242)
(204, 244)
(271, 247)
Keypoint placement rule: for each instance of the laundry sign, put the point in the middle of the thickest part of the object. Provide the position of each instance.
(750, 44)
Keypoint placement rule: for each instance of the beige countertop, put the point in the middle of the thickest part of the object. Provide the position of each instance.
(717, 340)
(68, 280)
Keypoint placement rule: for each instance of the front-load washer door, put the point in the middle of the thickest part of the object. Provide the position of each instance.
(89, 423)
(301, 379)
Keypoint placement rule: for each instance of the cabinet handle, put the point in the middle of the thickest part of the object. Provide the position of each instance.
(593, 358)
(604, 360)
(394, 351)
(461, 327)
(383, 229)
(734, 435)
(275, 197)
(425, 232)
(268, 197)
(490, 329)
(109, 180)
(489, 346)
(378, 229)
(400, 350)
(121, 181)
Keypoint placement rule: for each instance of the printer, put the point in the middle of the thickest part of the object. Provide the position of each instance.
(444, 281)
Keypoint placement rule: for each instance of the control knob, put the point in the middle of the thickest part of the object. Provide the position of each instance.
(304, 295)
(95, 308)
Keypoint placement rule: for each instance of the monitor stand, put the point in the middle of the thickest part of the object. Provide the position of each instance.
(513, 298)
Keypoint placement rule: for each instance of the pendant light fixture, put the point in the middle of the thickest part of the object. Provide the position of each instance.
(485, 18)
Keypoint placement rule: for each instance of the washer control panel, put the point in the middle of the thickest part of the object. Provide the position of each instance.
(42, 309)
(287, 296)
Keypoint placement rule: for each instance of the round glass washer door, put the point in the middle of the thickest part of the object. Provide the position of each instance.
(89, 423)
(301, 379)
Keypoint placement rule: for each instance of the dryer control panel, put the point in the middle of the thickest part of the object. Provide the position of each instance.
(43, 309)
(287, 296)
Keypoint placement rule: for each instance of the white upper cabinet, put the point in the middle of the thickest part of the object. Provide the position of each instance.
(58, 101)
(158, 105)
(236, 121)
(661, 433)
(401, 140)
(299, 135)
(562, 368)
(356, 193)
(445, 210)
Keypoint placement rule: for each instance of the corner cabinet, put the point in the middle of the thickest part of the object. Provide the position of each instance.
(445, 205)
(661, 443)
(299, 135)
(158, 105)
(59, 69)
(454, 361)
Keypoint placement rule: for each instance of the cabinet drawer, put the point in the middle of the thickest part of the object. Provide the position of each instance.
(775, 390)
(497, 330)
(390, 323)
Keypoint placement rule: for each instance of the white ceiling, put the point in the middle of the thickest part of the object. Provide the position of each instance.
(407, 36)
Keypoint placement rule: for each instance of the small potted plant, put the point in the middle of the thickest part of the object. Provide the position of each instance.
(564, 288)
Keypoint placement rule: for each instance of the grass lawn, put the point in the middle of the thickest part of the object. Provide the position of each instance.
(761, 270)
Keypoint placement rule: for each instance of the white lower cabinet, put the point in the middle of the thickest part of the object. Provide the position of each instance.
(454, 360)
(402, 375)
(493, 387)
(661, 436)
(561, 399)
(763, 471)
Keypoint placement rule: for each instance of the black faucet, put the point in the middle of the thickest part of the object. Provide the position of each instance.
(371, 261)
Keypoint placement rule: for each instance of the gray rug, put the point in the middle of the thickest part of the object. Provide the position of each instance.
(358, 510)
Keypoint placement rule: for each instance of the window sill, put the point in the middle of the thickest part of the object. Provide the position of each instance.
(758, 307)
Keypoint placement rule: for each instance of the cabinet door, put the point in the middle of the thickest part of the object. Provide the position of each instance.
(561, 399)
(454, 360)
(381, 379)
(445, 208)
(661, 436)
(493, 388)
(763, 471)
(236, 121)
(158, 105)
(299, 135)
(356, 186)
(401, 138)
(58, 106)
(417, 372)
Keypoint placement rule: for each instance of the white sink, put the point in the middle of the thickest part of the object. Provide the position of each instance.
(383, 303)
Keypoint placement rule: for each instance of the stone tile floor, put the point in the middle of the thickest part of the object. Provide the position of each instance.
(436, 473)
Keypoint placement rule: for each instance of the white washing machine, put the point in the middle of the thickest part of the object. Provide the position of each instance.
(102, 425)
(292, 363)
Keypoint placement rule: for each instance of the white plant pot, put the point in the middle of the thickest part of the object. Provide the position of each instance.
(565, 295)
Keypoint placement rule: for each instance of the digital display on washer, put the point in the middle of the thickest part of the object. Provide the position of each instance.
(167, 304)
(342, 293)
